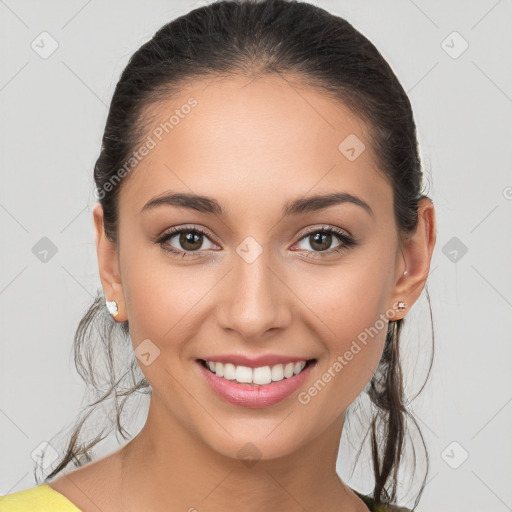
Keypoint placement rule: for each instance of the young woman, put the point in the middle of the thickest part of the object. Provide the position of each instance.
(261, 234)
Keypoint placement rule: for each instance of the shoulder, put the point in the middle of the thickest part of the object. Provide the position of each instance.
(37, 499)
(93, 487)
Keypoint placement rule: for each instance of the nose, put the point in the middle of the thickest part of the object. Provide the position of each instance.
(255, 299)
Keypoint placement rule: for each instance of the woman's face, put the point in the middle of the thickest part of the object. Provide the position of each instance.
(259, 281)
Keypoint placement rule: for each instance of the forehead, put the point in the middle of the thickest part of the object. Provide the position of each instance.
(243, 139)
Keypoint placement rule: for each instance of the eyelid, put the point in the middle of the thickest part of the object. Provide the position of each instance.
(325, 227)
(176, 230)
(346, 240)
(345, 237)
(187, 227)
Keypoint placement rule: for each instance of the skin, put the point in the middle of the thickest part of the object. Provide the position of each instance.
(254, 145)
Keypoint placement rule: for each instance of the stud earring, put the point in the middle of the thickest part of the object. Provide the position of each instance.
(112, 307)
(401, 306)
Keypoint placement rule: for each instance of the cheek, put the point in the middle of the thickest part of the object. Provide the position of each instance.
(349, 297)
(354, 344)
(165, 305)
(347, 308)
(164, 301)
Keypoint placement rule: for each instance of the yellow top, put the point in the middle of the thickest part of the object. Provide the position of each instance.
(37, 499)
(45, 499)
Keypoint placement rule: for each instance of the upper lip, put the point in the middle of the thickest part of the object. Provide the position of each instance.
(255, 362)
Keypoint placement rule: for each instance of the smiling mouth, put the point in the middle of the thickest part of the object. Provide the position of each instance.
(256, 376)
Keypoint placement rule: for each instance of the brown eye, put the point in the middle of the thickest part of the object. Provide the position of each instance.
(190, 240)
(320, 241)
(185, 241)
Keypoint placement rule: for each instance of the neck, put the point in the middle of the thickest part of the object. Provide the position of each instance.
(167, 467)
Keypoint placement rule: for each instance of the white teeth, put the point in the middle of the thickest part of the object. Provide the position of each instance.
(219, 369)
(260, 376)
(288, 370)
(243, 374)
(277, 372)
(298, 367)
(229, 371)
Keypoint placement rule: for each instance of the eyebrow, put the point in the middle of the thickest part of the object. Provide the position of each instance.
(206, 204)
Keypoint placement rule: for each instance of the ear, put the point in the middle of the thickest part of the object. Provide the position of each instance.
(108, 265)
(417, 252)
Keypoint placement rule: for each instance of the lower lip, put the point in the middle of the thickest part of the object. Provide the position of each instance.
(254, 396)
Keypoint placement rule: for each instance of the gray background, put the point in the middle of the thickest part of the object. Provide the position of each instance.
(53, 112)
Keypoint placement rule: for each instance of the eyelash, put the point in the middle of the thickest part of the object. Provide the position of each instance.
(346, 241)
